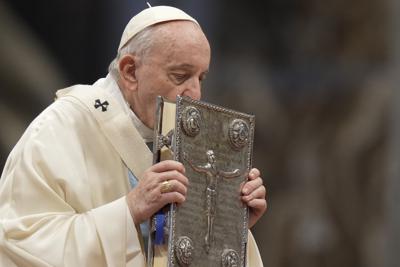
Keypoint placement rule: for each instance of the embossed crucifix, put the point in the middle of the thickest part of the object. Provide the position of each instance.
(213, 175)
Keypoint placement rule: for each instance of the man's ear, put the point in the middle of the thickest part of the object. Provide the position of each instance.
(127, 72)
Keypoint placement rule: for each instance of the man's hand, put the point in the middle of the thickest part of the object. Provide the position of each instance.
(151, 193)
(254, 196)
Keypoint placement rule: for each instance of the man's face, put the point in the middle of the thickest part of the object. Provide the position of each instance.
(175, 65)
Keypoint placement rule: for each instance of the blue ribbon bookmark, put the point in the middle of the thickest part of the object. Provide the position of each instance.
(160, 222)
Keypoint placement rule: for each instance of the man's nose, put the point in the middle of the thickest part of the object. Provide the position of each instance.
(193, 89)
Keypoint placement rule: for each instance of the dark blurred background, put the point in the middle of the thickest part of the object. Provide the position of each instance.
(320, 76)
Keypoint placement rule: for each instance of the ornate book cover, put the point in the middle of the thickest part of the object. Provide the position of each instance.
(215, 145)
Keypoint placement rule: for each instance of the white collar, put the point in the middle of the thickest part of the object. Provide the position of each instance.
(110, 85)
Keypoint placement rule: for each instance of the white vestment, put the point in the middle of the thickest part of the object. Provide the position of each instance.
(63, 188)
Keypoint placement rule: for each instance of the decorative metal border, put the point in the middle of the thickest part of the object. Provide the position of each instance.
(178, 157)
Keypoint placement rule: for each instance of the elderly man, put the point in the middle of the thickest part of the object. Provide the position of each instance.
(66, 196)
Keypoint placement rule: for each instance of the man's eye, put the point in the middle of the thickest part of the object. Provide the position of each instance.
(179, 77)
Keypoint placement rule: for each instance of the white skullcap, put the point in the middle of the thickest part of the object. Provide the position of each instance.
(151, 16)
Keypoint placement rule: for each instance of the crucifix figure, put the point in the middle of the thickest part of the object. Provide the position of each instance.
(213, 174)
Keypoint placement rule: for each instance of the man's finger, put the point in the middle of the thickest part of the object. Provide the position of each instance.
(172, 186)
(258, 193)
(258, 205)
(173, 197)
(167, 165)
(254, 173)
(173, 175)
(251, 185)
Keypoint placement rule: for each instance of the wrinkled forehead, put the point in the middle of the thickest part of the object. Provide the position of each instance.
(176, 43)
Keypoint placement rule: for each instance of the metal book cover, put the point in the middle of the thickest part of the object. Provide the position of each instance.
(215, 145)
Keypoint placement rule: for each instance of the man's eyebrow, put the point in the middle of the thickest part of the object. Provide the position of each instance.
(181, 66)
(184, 66)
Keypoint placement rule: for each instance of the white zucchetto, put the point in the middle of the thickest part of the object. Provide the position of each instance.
(151, 16)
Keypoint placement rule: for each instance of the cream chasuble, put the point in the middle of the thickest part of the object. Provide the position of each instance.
(62, 190)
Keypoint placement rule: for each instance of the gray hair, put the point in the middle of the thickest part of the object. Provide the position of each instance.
(138, 45)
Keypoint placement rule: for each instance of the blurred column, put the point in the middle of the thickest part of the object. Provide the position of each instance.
(392, 248)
